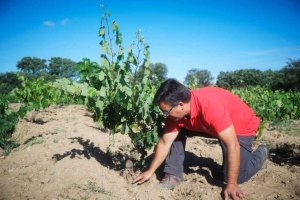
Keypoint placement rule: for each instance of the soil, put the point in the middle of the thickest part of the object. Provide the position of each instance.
(63, 155)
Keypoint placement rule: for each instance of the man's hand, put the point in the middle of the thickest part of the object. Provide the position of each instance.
(229, 138)
(232, 191)
(145, 176)
(162, 150)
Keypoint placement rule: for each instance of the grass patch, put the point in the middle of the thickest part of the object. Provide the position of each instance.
(57, 130)
(23, 174)
(289, 127)
(9, 145)
(33, 141)
(88, 191)
(93, 187)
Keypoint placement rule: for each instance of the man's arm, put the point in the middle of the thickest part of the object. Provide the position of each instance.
(162, 149)
(228, 137)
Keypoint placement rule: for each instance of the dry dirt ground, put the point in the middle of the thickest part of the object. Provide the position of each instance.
(65, 156)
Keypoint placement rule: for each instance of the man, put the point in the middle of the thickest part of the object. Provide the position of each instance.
(219, 114)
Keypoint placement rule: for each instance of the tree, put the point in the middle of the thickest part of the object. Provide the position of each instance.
(290, 76)
(269, 77)
(8, 82)
(32, 65)
(198, 78)
(243, 78)
(87, 70)
(287, 78)
(160, 70)
(62, 67)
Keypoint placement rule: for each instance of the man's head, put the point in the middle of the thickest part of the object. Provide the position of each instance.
(173, 99)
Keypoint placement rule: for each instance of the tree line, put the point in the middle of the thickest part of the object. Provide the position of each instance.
(58, 67)
(287, 78)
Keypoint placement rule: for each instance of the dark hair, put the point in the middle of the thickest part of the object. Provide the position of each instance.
(172, 92)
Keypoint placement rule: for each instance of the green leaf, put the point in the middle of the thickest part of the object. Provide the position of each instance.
(128, 91)
(105, 47)
(101, 76)
(126, 129)
(99, 104)
(115, 26)
(132, 59)
(279, 103)
(102, 92)
(102, 31)
(104, 61)
(148, 138)
(135, 128)
(70, 89)
(92, 92)
(118, 38)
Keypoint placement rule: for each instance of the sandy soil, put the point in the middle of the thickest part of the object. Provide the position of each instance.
(63, 155)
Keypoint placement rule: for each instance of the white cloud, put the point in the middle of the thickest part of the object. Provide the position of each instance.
(272, 51)
(261, 52)
(49, 23)
(64, 21)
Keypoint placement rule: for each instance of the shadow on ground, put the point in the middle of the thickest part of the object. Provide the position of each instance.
(115, 161)
(286, 154)
(206, 167)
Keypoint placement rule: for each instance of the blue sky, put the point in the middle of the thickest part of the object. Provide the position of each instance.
(217, 35)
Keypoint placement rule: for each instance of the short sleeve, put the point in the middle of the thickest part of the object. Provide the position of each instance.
(217, 116)
(171, 126)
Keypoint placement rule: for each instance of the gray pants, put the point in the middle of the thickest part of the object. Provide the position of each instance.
(250, 162)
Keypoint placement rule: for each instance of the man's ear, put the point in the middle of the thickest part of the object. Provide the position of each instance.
(181, 104)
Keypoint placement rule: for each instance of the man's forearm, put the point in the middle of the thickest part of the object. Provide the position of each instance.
(161, 153)
(233, 157)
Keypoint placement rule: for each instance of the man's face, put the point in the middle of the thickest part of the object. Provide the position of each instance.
(174, 112)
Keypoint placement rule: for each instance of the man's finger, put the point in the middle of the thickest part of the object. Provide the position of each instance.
(141, 181)
(233, 196)
(226, 196)
(137, 179)
(241, 194)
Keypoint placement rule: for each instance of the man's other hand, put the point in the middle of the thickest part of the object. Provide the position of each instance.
(232, 191)
(145, 176)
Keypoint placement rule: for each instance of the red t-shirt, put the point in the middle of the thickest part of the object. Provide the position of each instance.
(214, 109)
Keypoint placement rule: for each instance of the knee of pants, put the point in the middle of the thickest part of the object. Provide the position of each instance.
(243, 176)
